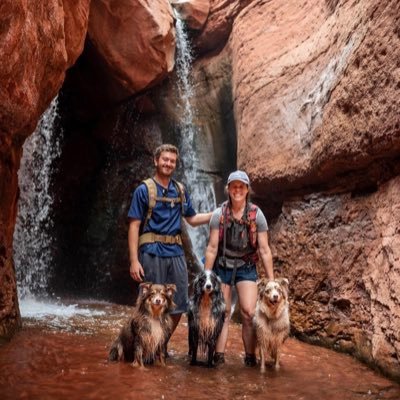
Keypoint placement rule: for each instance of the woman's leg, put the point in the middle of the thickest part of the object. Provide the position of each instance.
(247, 293)
(223, 337)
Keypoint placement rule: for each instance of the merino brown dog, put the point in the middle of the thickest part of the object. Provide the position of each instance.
(143, 339)
(271, 319)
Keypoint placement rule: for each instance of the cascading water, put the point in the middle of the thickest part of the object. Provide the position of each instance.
(33, 240)
(32, 236)
(199, 184)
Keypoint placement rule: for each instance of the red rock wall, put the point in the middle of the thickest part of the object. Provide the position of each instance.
(316, 98)
(342, 256)
(38, 42)
(315, 93)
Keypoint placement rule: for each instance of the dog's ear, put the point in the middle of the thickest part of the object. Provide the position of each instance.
(144, 287)
(261, 283)
(171, 289)
(284, 282)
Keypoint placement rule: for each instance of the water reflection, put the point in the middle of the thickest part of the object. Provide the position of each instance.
(68, 360)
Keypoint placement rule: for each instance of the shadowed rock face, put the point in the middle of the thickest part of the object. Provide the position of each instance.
(341, 254)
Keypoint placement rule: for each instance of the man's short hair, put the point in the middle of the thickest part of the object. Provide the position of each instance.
(166, 147)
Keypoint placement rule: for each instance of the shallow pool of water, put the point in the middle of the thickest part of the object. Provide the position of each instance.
(63, 355)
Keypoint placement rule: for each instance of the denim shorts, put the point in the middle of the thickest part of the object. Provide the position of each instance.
(247, 272)
(168, 270)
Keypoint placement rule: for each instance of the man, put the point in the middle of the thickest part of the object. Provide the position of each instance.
(154, 238)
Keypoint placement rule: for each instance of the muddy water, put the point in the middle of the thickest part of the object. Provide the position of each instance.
(65, 358)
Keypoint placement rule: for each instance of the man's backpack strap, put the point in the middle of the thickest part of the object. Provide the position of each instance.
(152, 194)
(181, 191)
(153, 198)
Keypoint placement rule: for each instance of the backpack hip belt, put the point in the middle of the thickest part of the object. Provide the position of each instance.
(151, 237)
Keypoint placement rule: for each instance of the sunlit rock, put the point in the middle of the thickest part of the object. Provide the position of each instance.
(135, 39)
(38, 42)
(315, 84)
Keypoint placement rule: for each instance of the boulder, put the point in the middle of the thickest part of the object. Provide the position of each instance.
(218, 26)
(316, 84)
(135, 40)
(48, 40)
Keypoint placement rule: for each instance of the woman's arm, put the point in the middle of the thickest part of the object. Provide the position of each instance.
(212, 249)
(265, 253)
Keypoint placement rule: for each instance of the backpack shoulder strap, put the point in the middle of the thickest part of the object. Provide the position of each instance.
(181, 192)
(152, 194)
(223, 220)
(252, 212)
(252, 224)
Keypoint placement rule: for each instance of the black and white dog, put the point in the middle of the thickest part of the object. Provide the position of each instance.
(206, 315)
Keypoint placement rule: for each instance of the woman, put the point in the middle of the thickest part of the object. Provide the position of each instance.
(238, 234)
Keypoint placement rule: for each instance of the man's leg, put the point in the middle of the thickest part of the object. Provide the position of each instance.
(175, 321)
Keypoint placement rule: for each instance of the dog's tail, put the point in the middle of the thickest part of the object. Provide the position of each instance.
(116, 351)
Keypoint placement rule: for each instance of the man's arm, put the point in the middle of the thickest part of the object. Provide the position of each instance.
(212, 249)
(265, 253)
(199, 219)
(136, 269)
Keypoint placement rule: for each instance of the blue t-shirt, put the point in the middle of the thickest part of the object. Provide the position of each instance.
(165, 219)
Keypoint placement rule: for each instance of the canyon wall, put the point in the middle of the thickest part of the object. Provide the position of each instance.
(316, 98)
(38, 42)
(305, 95)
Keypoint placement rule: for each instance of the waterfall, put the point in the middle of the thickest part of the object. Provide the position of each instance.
(199, 184)
(33, 241)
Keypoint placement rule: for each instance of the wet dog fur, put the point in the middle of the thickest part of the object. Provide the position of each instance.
(206, 315)
(271, 319)
(142, 340)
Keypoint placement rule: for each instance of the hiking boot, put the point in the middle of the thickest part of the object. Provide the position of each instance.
(250, 360)
(219, 359)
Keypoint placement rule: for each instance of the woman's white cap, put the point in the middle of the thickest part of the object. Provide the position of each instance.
(239, 176)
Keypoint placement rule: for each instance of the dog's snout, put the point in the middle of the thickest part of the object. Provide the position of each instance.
(208, 286)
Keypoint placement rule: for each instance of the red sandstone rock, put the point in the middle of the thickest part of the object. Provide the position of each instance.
(342, 257)
(39, 40)
(216, 31)
(34, 48)
(194, 12)
(316, 99)
(317, 86)
(136, 40)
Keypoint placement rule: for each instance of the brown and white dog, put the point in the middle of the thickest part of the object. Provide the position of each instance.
(142, 340)
(271, 319)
